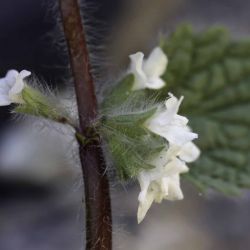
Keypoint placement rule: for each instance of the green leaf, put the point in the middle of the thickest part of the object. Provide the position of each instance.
(212, 72)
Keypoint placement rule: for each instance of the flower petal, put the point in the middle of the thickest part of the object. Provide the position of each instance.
(174, 189)
(173, 104)
(172, 133)
(4, 100)
(168, 115)
(144, 181)
(24, 73)
(136, 69)
(189, 152)
(4, 87)
(156, 63)
(19, 83)
(177, 135)
(144, 206)
(164, 187)
(175, 167)
(155, 83)
(10, 77)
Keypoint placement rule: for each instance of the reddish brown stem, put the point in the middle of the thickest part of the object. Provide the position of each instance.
(97, 198)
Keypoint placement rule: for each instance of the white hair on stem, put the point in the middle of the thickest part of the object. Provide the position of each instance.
(96, 38)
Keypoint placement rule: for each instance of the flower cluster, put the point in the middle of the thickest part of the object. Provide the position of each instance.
(163, 181)
(151, 143)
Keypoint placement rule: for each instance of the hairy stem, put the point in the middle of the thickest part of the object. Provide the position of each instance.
(97, 198)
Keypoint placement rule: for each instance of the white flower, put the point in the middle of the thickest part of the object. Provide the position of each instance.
(147, 72)
(168, 124)
(160, 183)
(163, 182)
(11, 87)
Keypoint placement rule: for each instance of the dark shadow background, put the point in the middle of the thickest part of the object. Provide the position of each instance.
(27, 40)
(41, 217)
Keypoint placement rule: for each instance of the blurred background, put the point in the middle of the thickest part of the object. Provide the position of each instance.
(40, 194)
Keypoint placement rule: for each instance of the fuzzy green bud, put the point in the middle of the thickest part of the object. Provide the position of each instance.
(37, 104)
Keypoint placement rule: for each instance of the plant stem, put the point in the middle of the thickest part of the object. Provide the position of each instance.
(97, 197)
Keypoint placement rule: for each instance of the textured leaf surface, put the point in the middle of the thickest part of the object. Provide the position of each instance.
(212, 72)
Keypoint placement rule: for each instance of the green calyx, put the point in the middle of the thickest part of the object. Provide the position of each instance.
(37, 104)
(129, 142)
